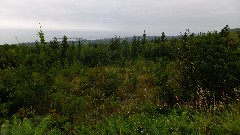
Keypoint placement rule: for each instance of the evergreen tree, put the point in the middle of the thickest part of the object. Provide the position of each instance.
(134, 50)
(54, 44)
(144, 40)
(79, 50)
(64, 48)
(225, 31)
(163, 37)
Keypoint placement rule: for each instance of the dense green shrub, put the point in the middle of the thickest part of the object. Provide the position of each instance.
(185, 85)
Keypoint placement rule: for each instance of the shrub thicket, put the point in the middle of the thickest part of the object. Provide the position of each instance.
(113, 86)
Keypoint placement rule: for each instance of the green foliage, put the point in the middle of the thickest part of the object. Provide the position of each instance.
(186, 85)
(54, 44)
(209, 62)
(105, 81)
(41, 36)
(176, 121)
(71, 105)
(17, 127)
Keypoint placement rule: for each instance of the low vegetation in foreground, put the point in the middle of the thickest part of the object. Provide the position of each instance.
(185, 85)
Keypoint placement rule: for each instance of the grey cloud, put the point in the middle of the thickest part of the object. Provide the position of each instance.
(122, 16)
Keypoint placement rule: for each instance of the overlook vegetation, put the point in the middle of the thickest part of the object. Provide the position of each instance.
(186, 85)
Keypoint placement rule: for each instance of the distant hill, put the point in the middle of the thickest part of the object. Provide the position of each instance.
(234, 30)
(107, 40)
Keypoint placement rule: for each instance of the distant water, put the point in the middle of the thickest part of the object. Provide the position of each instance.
(24, 36)
(9, 36)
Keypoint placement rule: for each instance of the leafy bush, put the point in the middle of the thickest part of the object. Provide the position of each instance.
(186, 85)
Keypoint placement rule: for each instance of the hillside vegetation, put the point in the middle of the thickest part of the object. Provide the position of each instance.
(184, 85)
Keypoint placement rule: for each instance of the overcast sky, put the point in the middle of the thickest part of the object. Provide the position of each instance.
(107, 18)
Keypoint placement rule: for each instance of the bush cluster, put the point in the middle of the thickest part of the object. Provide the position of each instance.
(52, 87)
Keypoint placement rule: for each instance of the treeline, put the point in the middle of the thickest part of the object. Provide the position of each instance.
(79, 83)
